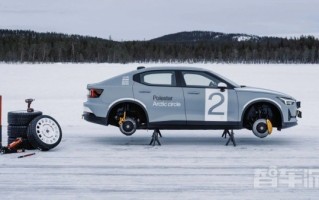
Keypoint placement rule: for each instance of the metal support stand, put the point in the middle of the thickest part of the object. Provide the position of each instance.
(231, 136)
(155, 137)
(159, 133)
(225, 133)
(0, 121)
(0, 136)
(6, 150)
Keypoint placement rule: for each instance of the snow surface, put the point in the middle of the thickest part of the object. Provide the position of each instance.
(98, 162)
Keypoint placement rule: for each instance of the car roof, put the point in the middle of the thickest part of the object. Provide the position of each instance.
(168, 68)
(171, 68)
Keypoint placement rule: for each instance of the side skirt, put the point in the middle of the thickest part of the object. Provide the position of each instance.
(194, 125)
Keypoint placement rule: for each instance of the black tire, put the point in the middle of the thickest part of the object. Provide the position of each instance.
(22, 117)
(44, 133)
(26, 144)
(17, 131)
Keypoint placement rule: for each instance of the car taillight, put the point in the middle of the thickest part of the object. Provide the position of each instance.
(95, 93)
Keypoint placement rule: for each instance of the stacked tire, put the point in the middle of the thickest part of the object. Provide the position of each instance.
(37, 131)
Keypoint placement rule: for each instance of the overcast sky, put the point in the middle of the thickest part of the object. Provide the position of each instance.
(146, 19)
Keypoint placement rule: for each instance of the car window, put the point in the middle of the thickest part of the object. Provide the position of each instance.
(159, 78)
(199, 79)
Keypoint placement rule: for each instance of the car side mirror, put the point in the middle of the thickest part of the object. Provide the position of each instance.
(222, 86)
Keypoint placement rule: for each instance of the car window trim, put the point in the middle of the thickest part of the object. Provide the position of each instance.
(138, 78)
(183, 83)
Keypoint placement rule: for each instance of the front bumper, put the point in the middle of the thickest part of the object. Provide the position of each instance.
(90, 117)
(299, 113)
(292, 115)
(289, 124)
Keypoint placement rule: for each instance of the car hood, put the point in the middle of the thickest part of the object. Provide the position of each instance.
(262, 90)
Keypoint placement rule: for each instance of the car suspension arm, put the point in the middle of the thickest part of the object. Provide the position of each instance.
(122, 119)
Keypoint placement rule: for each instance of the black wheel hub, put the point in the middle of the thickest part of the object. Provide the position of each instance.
(261, 127)
(128, 126)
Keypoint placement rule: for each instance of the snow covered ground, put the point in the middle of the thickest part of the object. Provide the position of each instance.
(97, 162)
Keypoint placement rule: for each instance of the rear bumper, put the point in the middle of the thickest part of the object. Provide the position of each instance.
(90, 117)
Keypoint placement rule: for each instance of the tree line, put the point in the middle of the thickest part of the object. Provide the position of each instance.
(29, 46)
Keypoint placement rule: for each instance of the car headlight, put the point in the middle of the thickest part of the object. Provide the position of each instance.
(287, 101)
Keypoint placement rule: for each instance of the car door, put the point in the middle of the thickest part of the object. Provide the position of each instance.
(164, 101)
(205, 102)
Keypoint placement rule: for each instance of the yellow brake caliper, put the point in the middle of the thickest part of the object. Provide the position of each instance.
(122, 119)
(269, 126)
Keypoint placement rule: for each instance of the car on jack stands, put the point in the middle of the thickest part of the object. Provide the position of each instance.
(186, 98)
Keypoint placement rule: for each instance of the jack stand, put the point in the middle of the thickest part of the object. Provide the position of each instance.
(231, 136)
(155, 137)
(6, 150)
(224, 135)
(159, 133)
(0, 121)
(12, 147)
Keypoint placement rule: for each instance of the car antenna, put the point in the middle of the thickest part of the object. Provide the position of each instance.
(140, 67)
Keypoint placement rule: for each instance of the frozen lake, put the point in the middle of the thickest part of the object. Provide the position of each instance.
(98, 162)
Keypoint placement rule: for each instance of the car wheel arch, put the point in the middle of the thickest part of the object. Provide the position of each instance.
(262, 101)
(129, 101)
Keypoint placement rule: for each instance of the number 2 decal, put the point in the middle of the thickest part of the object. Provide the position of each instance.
(221, 101)
(216, 105)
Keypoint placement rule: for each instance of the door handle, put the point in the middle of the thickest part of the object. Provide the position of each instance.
(193, 92)
(144, 91)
